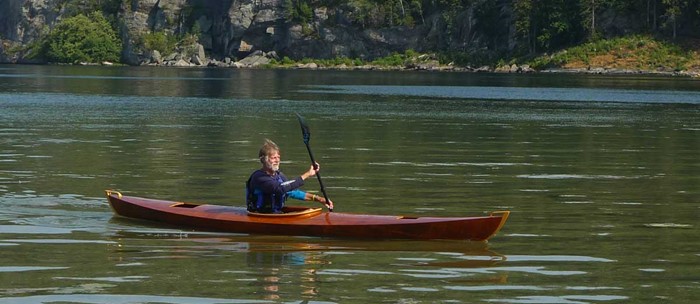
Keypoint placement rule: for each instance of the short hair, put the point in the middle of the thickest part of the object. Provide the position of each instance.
(267, 148)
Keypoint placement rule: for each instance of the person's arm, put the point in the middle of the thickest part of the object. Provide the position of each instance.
(318, 198)
(306, 196)
(292, 184)
(298, 194)
(269, 184)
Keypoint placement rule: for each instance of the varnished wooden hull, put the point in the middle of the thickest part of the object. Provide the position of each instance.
(322, 224)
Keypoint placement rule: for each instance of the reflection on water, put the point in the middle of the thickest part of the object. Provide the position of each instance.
(519, 93)
(275, 266)
(271, 279)
(601, 175)
(74, 296)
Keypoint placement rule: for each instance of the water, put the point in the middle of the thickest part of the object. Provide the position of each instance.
(601, 174)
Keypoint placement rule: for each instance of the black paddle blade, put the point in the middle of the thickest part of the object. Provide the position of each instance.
(304, 129)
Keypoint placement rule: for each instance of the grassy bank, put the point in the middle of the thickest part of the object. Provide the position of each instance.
(641, 53)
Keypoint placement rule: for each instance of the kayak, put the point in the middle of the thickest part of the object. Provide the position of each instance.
(303, 221)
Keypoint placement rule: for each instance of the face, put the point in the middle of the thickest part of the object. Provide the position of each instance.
(272, 161)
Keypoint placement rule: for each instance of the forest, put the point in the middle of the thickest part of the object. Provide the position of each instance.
(471, 31)
(539, 25)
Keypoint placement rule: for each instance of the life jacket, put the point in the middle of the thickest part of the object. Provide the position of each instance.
(258, 201)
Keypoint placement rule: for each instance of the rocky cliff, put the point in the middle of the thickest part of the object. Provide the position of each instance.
(21, 23)
(235, 28)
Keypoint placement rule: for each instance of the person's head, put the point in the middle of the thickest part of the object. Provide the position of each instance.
(270, 155)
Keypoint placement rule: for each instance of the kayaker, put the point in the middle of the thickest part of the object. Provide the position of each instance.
(268, 188)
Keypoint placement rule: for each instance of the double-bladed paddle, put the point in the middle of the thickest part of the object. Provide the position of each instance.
(307, 137)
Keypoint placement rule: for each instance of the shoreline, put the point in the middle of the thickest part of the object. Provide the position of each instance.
(513, 69)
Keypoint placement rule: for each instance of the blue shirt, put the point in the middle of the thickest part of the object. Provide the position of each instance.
(267, 193)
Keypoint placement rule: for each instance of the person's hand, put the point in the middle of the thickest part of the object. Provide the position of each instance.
(311, 172)
(313, 169)
(328, 203)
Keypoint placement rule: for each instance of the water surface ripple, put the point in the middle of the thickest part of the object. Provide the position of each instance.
(601, 175)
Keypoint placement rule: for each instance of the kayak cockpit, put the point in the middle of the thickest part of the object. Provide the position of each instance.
(290, 211)
(185, 205)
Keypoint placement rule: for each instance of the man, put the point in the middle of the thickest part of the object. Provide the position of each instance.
(267, 188)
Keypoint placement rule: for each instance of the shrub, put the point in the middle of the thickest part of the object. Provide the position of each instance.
(159, 41)
(287, 61)
(395, 59)
(82, 39)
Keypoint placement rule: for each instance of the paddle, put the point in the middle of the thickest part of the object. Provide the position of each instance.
(307, 136)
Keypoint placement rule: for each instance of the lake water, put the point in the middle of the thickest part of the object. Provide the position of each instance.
(601, 175)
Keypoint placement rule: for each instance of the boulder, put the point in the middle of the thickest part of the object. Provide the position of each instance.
(272, 55)
(244, 47)
(156, 57)
(196, 60)
(199, 51)
(514, 68)
(255, 59)
(310, 66)
(181, 63)
(172, 57)
(525, 68)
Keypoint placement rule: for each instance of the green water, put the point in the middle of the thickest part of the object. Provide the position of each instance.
(601, 175)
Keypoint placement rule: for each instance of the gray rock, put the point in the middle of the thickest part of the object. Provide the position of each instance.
(253, 60)
(200, 51)
(181, 63)
(196, 60)
(525, 68)
(272, 55)
(171, 57)
(514, 68)
(310, 66)
(156, 57)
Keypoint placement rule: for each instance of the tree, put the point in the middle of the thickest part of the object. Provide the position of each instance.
(547, 25)
(589, 9)
(524, 25)
(82, 39)
(674, 9)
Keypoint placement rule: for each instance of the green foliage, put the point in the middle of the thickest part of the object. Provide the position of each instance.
(166, 43)
(547, 25)
(632, 52)
(159, 41)
(82, 39)
(286, 61)
(299, 11)
(466, 32)
(395, 59)
(76, 7)
(384, 13)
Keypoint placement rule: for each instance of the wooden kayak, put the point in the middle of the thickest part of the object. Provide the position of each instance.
(304, 221)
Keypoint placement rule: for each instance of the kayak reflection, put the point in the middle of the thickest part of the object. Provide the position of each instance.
(275, 267)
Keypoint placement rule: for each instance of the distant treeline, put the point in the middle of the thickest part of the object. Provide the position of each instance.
(539, 25)
(527, 27)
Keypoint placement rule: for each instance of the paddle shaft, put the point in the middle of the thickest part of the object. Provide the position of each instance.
(318, 175)
(307, 137)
